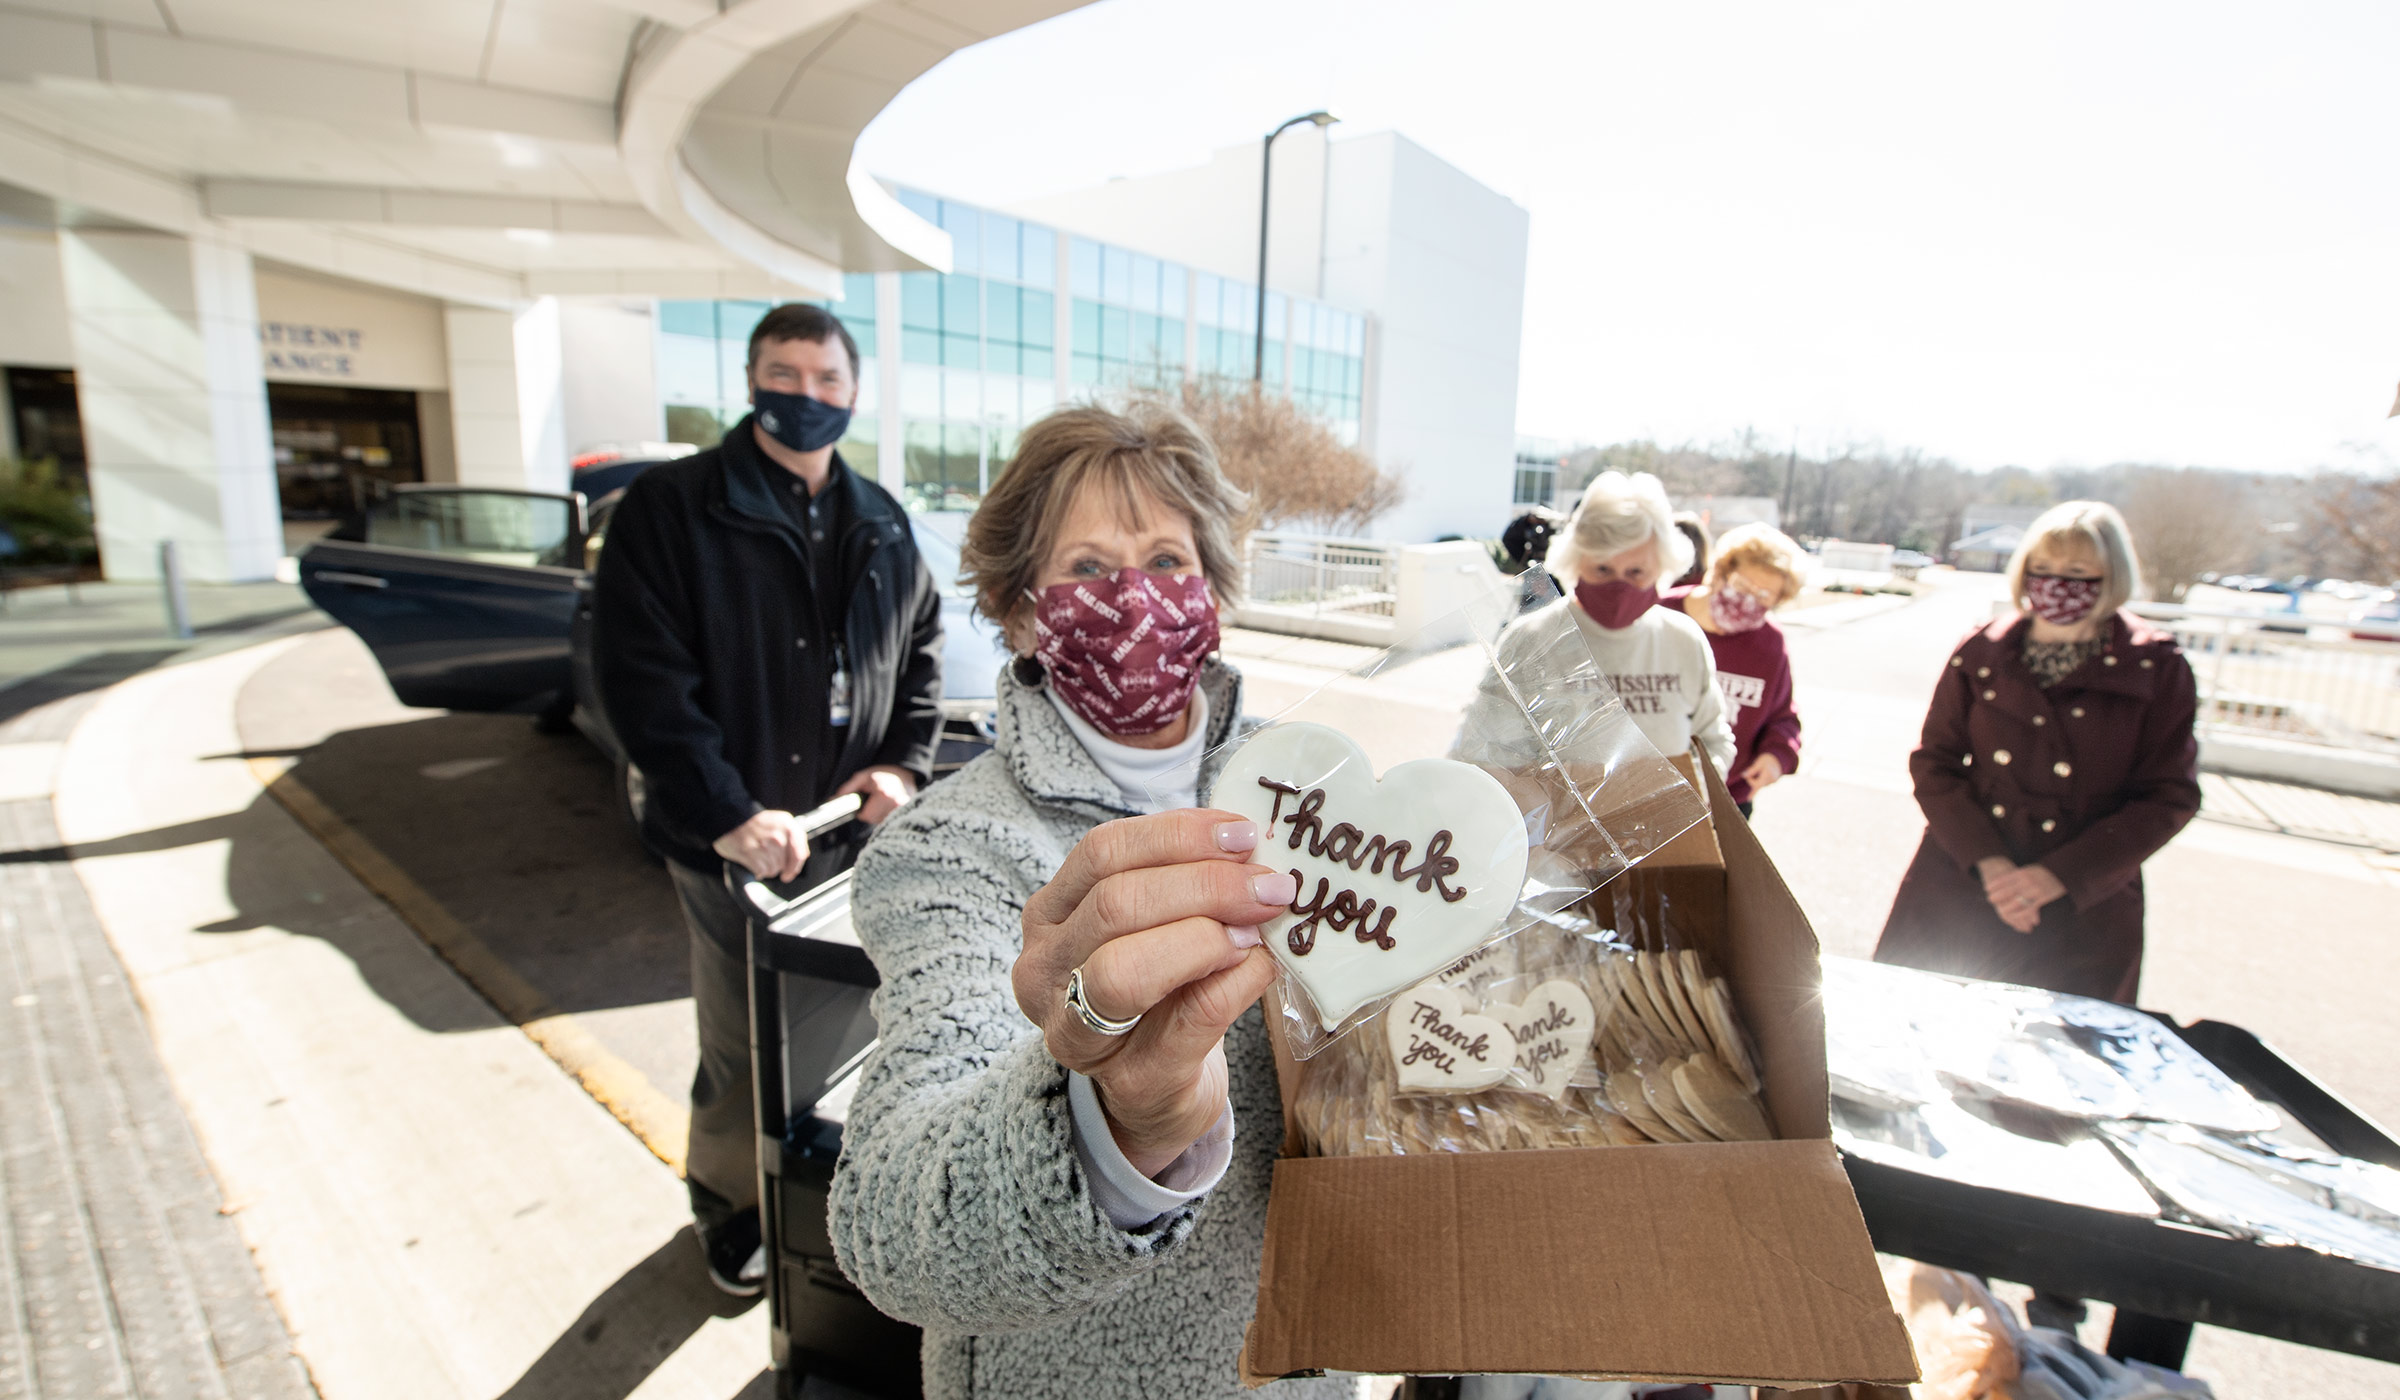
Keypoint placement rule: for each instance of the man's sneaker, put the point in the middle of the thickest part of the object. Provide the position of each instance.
(737, 1259)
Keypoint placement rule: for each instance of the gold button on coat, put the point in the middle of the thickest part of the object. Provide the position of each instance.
(2077, 712)
(2038, 721)
(2049, 825)
(2146, 663)
(2108, 661)
(1998, 810)
(1991, 695)
(2000, 756)
(2062, 768)
(1982, 671)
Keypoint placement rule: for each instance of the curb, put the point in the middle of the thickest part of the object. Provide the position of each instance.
(662, 1125)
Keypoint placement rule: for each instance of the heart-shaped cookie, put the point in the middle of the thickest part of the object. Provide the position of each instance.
(1553, 1030)
(1398, 878)
(1438, 1047)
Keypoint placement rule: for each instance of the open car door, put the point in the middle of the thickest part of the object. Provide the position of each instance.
(465, 594)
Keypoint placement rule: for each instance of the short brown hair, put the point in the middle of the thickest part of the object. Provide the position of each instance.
(800, 320)
(1149, 450)
(1762, 547)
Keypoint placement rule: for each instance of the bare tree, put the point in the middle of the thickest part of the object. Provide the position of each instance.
(2185, 523)
(2358, 520)
(1297, 472)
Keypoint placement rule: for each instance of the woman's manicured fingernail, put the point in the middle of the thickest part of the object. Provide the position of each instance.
(1244, 935)
(1237, 836)
(1274, 887)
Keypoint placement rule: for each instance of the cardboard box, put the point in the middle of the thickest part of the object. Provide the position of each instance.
(1724, 1262)
(1676, 897)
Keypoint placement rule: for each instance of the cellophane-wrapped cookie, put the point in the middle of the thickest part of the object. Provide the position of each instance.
(1564, 1035)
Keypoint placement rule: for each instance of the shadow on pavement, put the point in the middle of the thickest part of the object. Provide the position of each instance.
(77, 677)
(632, 1328)
(516, 835)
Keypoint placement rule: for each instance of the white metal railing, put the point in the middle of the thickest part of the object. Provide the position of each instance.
(2290, 676)
(1321, 575)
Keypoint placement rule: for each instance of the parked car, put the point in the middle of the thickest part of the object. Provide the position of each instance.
(2384, 615)
(476, 598)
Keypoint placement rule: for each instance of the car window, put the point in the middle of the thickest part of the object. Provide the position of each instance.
(938, 534)
(490, 527)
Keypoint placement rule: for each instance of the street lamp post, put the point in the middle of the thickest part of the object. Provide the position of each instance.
(1266, 167)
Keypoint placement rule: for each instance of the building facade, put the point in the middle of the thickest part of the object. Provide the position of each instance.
(955, 365)
(1376, 226)
(257, 258)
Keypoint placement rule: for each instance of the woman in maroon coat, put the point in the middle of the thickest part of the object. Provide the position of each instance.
(2057, 756)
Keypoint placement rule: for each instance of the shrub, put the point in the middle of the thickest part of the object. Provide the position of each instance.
(48, 513)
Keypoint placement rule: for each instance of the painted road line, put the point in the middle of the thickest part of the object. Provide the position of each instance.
(662, 1123)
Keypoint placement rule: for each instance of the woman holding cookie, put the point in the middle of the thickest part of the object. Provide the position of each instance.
(1042, 1166)
(2056, 758)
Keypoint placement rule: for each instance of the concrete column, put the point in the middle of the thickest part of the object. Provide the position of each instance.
(174, 408)
(507, 412)
(891, 426)
(611, 344)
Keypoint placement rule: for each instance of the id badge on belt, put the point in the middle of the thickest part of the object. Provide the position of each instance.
(837, 697)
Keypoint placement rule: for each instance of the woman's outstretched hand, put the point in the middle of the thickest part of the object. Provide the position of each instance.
(1162, 913)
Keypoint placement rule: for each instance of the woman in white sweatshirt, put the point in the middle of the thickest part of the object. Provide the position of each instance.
(1615, 550)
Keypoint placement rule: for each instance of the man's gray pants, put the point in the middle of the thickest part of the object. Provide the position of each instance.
(721, 1155)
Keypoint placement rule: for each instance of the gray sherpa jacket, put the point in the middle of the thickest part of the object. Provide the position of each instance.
(959, 1204)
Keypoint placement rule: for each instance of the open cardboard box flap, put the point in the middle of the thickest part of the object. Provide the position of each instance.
(1719, 1262)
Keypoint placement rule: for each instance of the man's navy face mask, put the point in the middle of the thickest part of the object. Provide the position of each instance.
(799, 422)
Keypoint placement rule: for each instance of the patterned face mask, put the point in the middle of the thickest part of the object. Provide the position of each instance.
(1736, 609)
(1124, 652)
(2061, 601)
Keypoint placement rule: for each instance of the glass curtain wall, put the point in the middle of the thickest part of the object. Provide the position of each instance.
(703, 364)
(978, 348)
(980, 354)
(1129, 312)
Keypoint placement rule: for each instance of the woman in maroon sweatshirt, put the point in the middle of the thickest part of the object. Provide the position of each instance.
(1755, 569)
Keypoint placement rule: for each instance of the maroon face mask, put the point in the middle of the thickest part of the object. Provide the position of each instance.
(1124, 652)
(1616, 603)
(2063, 601)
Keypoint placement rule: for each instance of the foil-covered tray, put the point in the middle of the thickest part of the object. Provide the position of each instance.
(2083, 1102)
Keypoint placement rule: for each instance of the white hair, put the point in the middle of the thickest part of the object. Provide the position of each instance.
(1617, 513)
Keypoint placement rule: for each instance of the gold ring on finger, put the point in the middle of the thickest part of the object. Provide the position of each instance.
(1100, 1024)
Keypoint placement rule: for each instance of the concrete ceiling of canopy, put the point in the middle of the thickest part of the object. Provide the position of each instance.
(749, 120)
(485, 150)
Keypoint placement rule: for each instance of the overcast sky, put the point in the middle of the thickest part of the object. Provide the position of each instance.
(2032, 233)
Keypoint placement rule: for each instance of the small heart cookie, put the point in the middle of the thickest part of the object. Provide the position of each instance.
(1553, 1030)
(1658, 1087)
(1439, 1047)
(1715, 1098)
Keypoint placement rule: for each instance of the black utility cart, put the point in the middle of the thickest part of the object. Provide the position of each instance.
(810, 1030)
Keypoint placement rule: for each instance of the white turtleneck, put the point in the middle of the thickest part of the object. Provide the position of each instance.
(1152, 780)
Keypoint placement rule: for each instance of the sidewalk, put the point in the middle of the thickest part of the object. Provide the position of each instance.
(48, 629)
(435, 1210)
(122, 1270)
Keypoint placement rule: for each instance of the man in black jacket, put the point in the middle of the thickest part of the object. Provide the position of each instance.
(766, 639)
